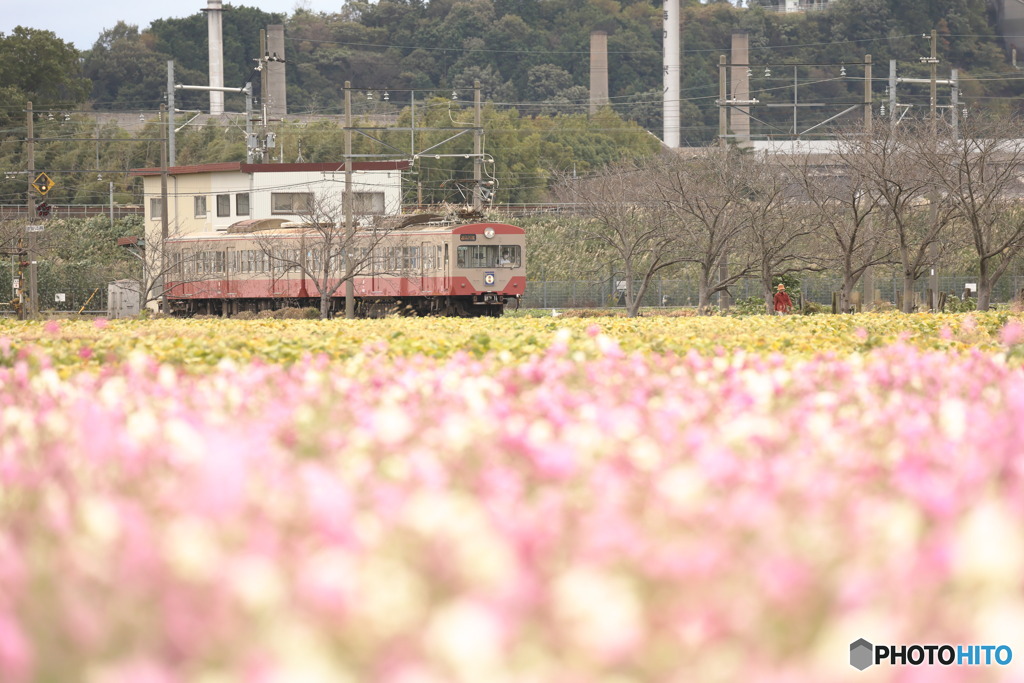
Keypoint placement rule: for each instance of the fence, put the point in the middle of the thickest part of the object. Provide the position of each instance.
(558, 294)
(671, 293)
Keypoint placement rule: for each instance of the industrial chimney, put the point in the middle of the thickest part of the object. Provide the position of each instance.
(598, 70)
(215, 28)
(739, 112)
(277, 92)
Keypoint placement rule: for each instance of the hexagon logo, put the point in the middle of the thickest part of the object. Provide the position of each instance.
(861, 654)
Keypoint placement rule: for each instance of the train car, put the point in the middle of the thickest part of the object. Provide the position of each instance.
(443, 268)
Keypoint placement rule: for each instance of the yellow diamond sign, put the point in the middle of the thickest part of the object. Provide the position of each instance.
(42, 183)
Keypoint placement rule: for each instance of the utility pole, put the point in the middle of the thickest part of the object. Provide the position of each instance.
(350, 286)
(893, 116)
(477, 147)
(933, 200)
(723, 113)
(868, 300)
(264, 68)
(170, 112)
(33, 283)
(165, 210)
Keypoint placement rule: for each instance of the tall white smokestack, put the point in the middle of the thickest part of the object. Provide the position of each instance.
(598, 70)
(673, 70)
(215, 26)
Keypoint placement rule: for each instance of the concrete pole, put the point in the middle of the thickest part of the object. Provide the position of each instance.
(954, 75)
(264, 95)
(598, 70)
(739, 114)
(893, 114)
(868, 300)
(477, 147)
(933, 249)
(673, 70)
(250, 152)
(33, 284)
(723, 108)
(215, 31)
(350, 287)
(170, 112)
(165, 210)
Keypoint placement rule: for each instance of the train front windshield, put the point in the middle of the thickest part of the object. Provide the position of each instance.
(490, 256)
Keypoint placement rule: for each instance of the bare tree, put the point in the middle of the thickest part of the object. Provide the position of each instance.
(329, 255)
(158, 276)
(780, 231)
(624, 220)
(843, 207)
(979, 170)
(890, 163)
(703, 199)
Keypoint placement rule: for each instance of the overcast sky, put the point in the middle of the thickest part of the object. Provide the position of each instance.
(81, 21)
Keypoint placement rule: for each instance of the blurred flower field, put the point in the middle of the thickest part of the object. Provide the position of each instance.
(512, 500)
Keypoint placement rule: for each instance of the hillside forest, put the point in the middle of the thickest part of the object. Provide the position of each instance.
(530, 57)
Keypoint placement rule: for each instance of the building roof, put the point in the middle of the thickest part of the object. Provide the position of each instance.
(243, 167)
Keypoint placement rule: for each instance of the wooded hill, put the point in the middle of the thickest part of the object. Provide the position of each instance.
(531, 57)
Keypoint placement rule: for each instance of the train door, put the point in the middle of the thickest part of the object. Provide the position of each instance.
(375, 266)
(447, 277)
(229, 264)
(426, 265)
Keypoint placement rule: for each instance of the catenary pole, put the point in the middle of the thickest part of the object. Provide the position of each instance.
(350, 287)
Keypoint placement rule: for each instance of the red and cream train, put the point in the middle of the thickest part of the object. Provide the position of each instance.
(445, 268)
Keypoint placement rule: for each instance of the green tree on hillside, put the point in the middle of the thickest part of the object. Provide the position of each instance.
(38, 66)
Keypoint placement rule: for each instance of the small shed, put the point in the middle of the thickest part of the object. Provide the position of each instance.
(124, 298)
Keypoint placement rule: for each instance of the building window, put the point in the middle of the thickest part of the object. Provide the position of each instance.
(367, 203)
(223, 205)
(291, 202)
(200, 204)
(156, 208)
(242, 204)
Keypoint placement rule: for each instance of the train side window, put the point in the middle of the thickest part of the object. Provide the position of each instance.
(410, 256)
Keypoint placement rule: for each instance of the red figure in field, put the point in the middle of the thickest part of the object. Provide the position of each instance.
(783, 304)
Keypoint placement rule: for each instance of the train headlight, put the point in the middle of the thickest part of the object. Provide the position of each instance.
(488, 233)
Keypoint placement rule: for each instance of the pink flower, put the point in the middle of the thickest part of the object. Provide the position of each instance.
(52, 327)
(100, 323)
(85, 353)
(1012, 333)
(15, 652)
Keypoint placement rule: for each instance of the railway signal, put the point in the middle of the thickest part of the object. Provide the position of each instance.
(42, 184)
